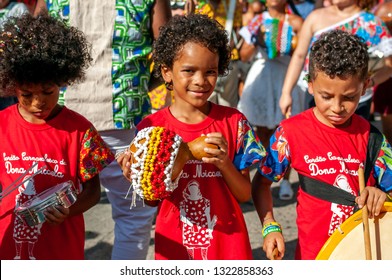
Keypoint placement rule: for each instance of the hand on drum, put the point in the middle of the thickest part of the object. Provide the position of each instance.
(55, 215)
(274, 246)
(219, 156)
(374, 198)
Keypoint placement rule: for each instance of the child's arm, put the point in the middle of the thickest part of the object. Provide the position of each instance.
(237, 181)
(39, 6)
(272, 167)
(89, 197)
(262, 199)
(297, 62)
(160, 14)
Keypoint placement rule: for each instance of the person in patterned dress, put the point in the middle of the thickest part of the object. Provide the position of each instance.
(328, 143)
(348, 15)
(115, 95)
(45, 144)
(270, 38)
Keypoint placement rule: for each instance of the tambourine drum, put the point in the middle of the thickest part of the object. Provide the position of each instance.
(347, 242)
(32, 211)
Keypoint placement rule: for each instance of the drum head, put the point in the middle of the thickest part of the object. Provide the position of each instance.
(347, 242)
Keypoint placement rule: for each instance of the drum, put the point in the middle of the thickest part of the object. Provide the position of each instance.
(32, 211)
(347, 242)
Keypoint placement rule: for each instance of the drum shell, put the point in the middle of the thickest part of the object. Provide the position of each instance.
(347, 242)
(32, 211)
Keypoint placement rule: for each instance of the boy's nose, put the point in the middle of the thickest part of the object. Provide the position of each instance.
(338, 107)
(39, 102)
(199, 79)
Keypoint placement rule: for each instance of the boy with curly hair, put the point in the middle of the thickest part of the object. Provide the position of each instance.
(115, 96)
(328, 143)
(44, 144)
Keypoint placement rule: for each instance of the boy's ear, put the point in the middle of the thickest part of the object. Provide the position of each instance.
(166, 74)
(365, 86)
(310, 88)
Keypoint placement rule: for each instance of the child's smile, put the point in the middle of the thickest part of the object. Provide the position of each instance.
(194, 74)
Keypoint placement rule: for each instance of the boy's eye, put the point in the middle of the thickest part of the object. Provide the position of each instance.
(326, 97)
(48, 92)
(26, 95)
(350, 98)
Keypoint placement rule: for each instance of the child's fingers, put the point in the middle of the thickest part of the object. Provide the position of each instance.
(124, 162)
(374, 199)
(126, 169)
(218, 140)
(375, 204)
(56, 214)
(274, 246)
(214, 135)
(362, 198)
(218, 156)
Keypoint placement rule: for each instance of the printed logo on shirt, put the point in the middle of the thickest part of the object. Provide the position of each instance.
(197, 221)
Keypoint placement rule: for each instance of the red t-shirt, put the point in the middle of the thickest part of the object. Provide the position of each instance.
(202, 219)
(331, 155)
(67, 148)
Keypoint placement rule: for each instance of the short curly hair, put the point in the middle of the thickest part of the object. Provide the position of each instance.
(195, 28)
(41, 50)
(339, 53)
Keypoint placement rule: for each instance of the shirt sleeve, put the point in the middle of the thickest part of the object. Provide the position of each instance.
(278, 159)
(249, 150)
(383, 167)
(94, 155)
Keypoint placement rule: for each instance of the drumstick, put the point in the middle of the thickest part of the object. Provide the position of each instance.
(21, 176)
(275, 253)
(10, 188)
(365, 218)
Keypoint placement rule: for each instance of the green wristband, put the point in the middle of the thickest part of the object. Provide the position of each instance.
(271, 228)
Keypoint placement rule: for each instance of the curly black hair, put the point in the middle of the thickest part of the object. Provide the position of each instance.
(339, 53)
(195, 28)
(40, 50)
